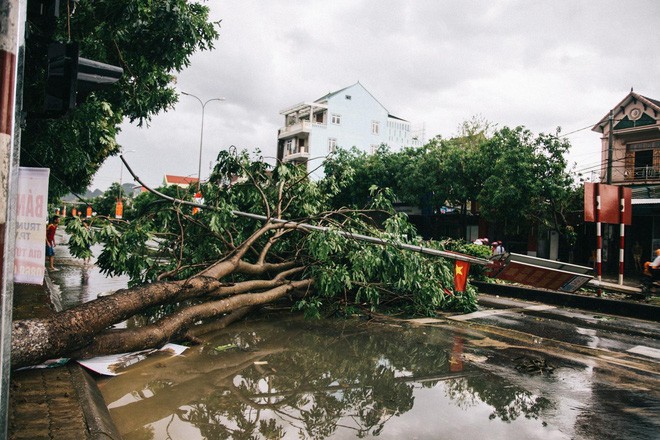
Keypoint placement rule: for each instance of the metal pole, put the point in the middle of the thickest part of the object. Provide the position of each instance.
(201, 143)
(308, 227)
(12, 50)
(201, 134)
(622, 230)
(599, 235)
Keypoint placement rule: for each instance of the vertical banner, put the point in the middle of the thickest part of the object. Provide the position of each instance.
(198, 199)
(119, 209)
(461, 269)
(31, 218)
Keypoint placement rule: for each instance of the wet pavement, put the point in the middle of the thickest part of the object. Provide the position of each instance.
(418, 379)
(59, 403)
(616, 334)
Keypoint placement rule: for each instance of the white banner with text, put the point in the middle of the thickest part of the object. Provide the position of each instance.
(31, 221)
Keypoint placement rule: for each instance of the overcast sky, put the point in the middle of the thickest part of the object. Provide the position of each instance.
(541, 64)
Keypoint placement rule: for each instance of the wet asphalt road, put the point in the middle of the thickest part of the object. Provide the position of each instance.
(619, 335)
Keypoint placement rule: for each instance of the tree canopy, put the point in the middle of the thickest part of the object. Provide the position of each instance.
(150, 40)
(518, 179)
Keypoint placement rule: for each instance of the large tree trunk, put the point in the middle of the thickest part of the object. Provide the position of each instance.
(84, 331)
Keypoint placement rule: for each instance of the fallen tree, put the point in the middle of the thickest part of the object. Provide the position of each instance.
(193, 270)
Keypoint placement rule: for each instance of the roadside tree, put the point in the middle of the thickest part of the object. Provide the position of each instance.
(519, 180)
(214, 266)
(150, 40)
(528, 182)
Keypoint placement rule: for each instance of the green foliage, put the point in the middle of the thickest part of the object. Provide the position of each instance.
(150, 40)
(165, 239)
(105, 204)
(82, 237)
(518, 179)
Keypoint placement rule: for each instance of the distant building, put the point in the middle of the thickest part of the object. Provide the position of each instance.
(635, 141)
(182, 181)
(342, 119)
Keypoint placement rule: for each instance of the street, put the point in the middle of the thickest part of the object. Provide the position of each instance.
(570, 373)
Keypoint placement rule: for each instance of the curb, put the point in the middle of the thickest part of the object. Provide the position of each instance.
(100, 425)
(601, 305)
(95, 411)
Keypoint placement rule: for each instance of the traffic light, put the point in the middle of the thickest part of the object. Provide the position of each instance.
(70, 78)
(61, 77)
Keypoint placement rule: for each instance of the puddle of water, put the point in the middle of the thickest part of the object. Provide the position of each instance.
(291, 379)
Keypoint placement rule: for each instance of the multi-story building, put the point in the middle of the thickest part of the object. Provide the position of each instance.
(630, 156)
(635, 142)
(350, 117)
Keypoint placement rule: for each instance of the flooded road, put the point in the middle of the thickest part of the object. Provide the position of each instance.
(286, 378)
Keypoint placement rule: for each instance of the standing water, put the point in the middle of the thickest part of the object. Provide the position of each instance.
(287, 378)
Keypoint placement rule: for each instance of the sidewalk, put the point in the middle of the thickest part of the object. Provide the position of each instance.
(61, 403)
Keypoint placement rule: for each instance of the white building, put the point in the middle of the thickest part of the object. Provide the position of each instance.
(342, 119)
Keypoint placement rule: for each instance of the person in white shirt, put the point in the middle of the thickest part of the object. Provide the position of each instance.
(498, 248)
(655, 264)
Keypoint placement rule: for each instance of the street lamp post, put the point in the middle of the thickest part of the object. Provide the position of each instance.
(119, 206)
(201, 136)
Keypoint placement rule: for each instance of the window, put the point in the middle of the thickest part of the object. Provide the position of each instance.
(640, 160)
(375, 125)
(332, 145)
(348, 97)
(288, 144)
(336, 119)
(374, 147)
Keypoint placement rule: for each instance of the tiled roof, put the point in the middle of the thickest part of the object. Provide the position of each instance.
(179, 180)
(655, 101)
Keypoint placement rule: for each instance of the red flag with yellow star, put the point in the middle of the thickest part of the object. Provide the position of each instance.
(461, 269)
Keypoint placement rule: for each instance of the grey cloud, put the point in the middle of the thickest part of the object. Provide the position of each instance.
(539, 64)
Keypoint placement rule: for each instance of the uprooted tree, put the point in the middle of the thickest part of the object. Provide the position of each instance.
(191, 271)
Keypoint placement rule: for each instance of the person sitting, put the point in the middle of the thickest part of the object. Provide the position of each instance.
(650, 266)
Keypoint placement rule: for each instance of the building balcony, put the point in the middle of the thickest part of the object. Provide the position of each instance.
(294, 129)
(300, 154)
(298, 128)
(643, 173)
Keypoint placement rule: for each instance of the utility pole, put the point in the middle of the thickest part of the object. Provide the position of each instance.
(12, 48)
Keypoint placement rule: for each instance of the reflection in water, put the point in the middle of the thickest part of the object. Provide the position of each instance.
(301, 379)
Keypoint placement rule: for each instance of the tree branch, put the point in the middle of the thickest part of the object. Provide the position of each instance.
(172, 326)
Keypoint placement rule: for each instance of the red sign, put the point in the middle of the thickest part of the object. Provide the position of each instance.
(545, 278)
(615, 205)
